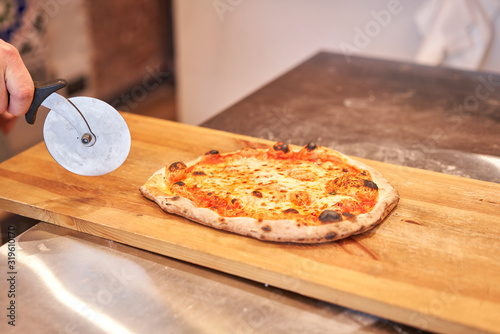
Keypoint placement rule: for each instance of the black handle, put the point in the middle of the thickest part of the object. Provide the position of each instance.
(42, 90)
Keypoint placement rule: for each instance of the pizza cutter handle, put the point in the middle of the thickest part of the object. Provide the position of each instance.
(42, 90)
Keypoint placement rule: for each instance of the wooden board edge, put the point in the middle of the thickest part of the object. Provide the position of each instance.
(423, 319)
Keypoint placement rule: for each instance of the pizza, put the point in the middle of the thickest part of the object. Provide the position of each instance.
(311, 194)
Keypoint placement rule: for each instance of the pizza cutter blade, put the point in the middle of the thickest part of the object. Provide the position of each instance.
(84, 135)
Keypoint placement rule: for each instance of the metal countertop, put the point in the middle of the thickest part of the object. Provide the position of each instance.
(70, 282)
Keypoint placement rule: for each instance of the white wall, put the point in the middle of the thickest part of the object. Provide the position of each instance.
(225, 49)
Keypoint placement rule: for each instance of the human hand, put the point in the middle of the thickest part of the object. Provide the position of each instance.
(16, 86)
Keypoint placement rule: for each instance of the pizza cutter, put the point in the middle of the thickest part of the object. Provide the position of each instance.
(84, 135)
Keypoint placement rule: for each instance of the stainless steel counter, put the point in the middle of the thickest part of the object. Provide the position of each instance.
(70, 282)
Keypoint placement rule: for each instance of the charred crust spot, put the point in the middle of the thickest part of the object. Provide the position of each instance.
(179, 165)
(199, 173)
(212, 152)
(311, 146)
(175, 198)
(266, 228)
(281, 147)
(222, 220)
(370, 184)
(291, 210)
(180, 184)
(331, 236)
(348, 215)
(257, 193)
(329, 216)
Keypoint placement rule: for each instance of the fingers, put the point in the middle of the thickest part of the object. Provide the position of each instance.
(4, 97)
(16, 82)
(7, 122)
(4, 101)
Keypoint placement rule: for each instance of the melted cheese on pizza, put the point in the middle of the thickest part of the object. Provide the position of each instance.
(311, 186)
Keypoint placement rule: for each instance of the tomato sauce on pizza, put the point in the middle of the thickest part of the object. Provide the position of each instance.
(312, 185)
(309, 187)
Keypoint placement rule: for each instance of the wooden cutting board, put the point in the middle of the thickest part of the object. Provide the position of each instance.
(434, 263)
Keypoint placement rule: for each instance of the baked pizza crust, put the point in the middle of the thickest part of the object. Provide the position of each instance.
(276, 230)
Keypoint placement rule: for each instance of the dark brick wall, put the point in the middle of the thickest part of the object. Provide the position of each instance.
(130, 39)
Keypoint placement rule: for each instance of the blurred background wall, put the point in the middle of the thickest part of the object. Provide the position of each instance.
(226, 49)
